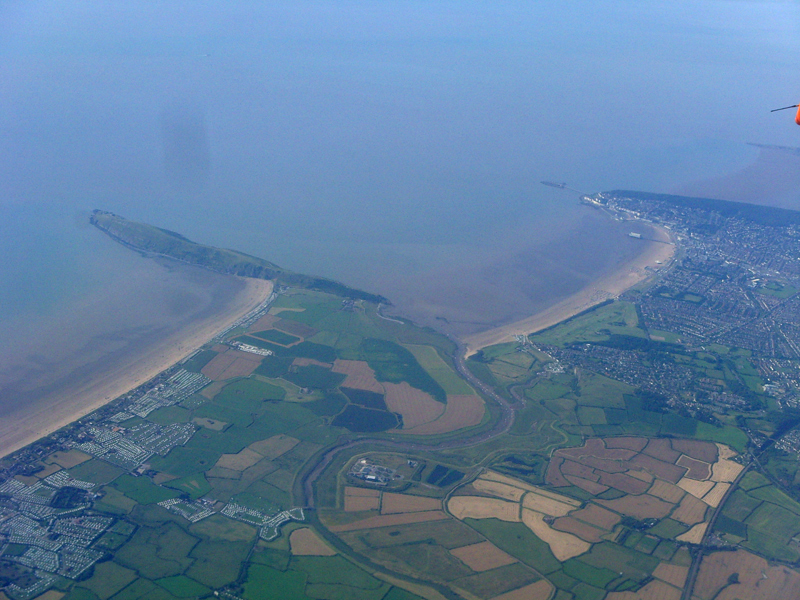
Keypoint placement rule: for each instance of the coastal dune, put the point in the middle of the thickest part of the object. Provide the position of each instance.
(113, 343)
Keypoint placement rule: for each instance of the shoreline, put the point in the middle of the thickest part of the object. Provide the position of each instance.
(611, 286)
(19, 431)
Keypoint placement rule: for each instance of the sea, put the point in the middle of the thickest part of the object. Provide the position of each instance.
(395, 145)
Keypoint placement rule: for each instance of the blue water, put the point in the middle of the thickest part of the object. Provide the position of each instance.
(381, 143)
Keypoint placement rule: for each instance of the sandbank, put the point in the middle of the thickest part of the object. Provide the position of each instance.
(21, 428)
(656, 255)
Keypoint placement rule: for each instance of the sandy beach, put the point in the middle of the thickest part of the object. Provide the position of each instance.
(657, 255)
(118, 376)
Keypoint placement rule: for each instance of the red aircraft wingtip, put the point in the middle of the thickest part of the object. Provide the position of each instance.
(797, 117)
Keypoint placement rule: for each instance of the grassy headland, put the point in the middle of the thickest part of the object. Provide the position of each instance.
(154, 240)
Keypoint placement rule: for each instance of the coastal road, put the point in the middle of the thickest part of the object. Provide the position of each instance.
(304, 484)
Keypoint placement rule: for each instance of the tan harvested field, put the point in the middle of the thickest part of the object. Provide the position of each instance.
(306, 362)
(264, 323)
(233, 363)
(239, 461)
(275, 446)
(359, 375)
(68, 459)
(357, 491)
(698, 489)
(714, 497)
(209, 423)
(416, 406)
(690, 510)
(661, 449)
(563, 545)
(694, 535)
(639, 507)
(473, 507)
(666, 491)
(461, 411)
(518, 483)
(624, 483)
(501, 490)
(673, 574)
(391, 520)
(726, 451)
(541, 590)
(546, 505)
(306, 542)
(483, 556)
(643, 475)
(725, 470)
(582, 530)
(590, 486)
(629, 443)
(600, 517)
(697, 468)
(405, 503)
(655, 590)
(757, 580)
(359, 503)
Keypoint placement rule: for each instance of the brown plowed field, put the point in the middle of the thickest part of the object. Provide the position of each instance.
(757, 580)
(541, 590)
(359, 375)
(600, 517)
(359, 503)
(391, 520)
(666, 491)
(554, 476)
(674, 574)
(483, 556)
(589, 486)
(233, 363)
(705, 451)
(416, 406)
(264, 323)
(661, 449)
(659, 468)
(570, 467)
(582, 530)
(605, 464)
(690, 510)
(461, 411)
(405, 503)
(624, 483)
(629, 443)
(643, 475)
(639, 507)
(305, 542)
(697, 468)
(294, 328)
